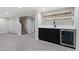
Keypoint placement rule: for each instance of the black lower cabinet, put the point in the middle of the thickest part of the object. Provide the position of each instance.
(50, 35)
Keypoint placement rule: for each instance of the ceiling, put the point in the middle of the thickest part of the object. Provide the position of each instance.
(13, 11)
(45, 9)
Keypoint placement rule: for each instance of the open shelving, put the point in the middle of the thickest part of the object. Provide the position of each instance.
(61, 14)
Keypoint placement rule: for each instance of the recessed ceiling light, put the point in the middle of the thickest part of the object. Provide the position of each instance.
(6, 12)
(43, 8)
(19, 7)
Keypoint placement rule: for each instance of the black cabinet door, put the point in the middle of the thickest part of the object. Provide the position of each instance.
(44, 34)
(55, 36)
(50, 35)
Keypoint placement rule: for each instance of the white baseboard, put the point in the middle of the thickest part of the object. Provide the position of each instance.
(3, 32)
(19, 34)
(15, 33)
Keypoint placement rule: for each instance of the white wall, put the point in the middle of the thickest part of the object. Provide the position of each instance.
(4, 23)
(30, 25)
(37, 23)
(39, 16)
(59, 22)
(76, 24)
(14, 25)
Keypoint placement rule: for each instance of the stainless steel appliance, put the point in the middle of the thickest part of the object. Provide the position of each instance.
(67, 37)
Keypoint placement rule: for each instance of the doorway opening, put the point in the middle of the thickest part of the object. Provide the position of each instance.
(27, 24)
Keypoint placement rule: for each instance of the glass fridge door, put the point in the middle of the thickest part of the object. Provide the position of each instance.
(68, 37)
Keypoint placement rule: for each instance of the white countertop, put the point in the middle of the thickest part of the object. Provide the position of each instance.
(58, 26)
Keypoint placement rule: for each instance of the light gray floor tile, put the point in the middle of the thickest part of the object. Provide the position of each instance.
(11, 42)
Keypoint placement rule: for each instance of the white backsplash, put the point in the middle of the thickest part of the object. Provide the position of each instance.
(58, 22)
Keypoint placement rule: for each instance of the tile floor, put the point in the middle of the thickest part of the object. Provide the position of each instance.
(11, 42)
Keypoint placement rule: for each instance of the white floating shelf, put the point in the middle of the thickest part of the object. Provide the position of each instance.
(59, 11)
(60, 18)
